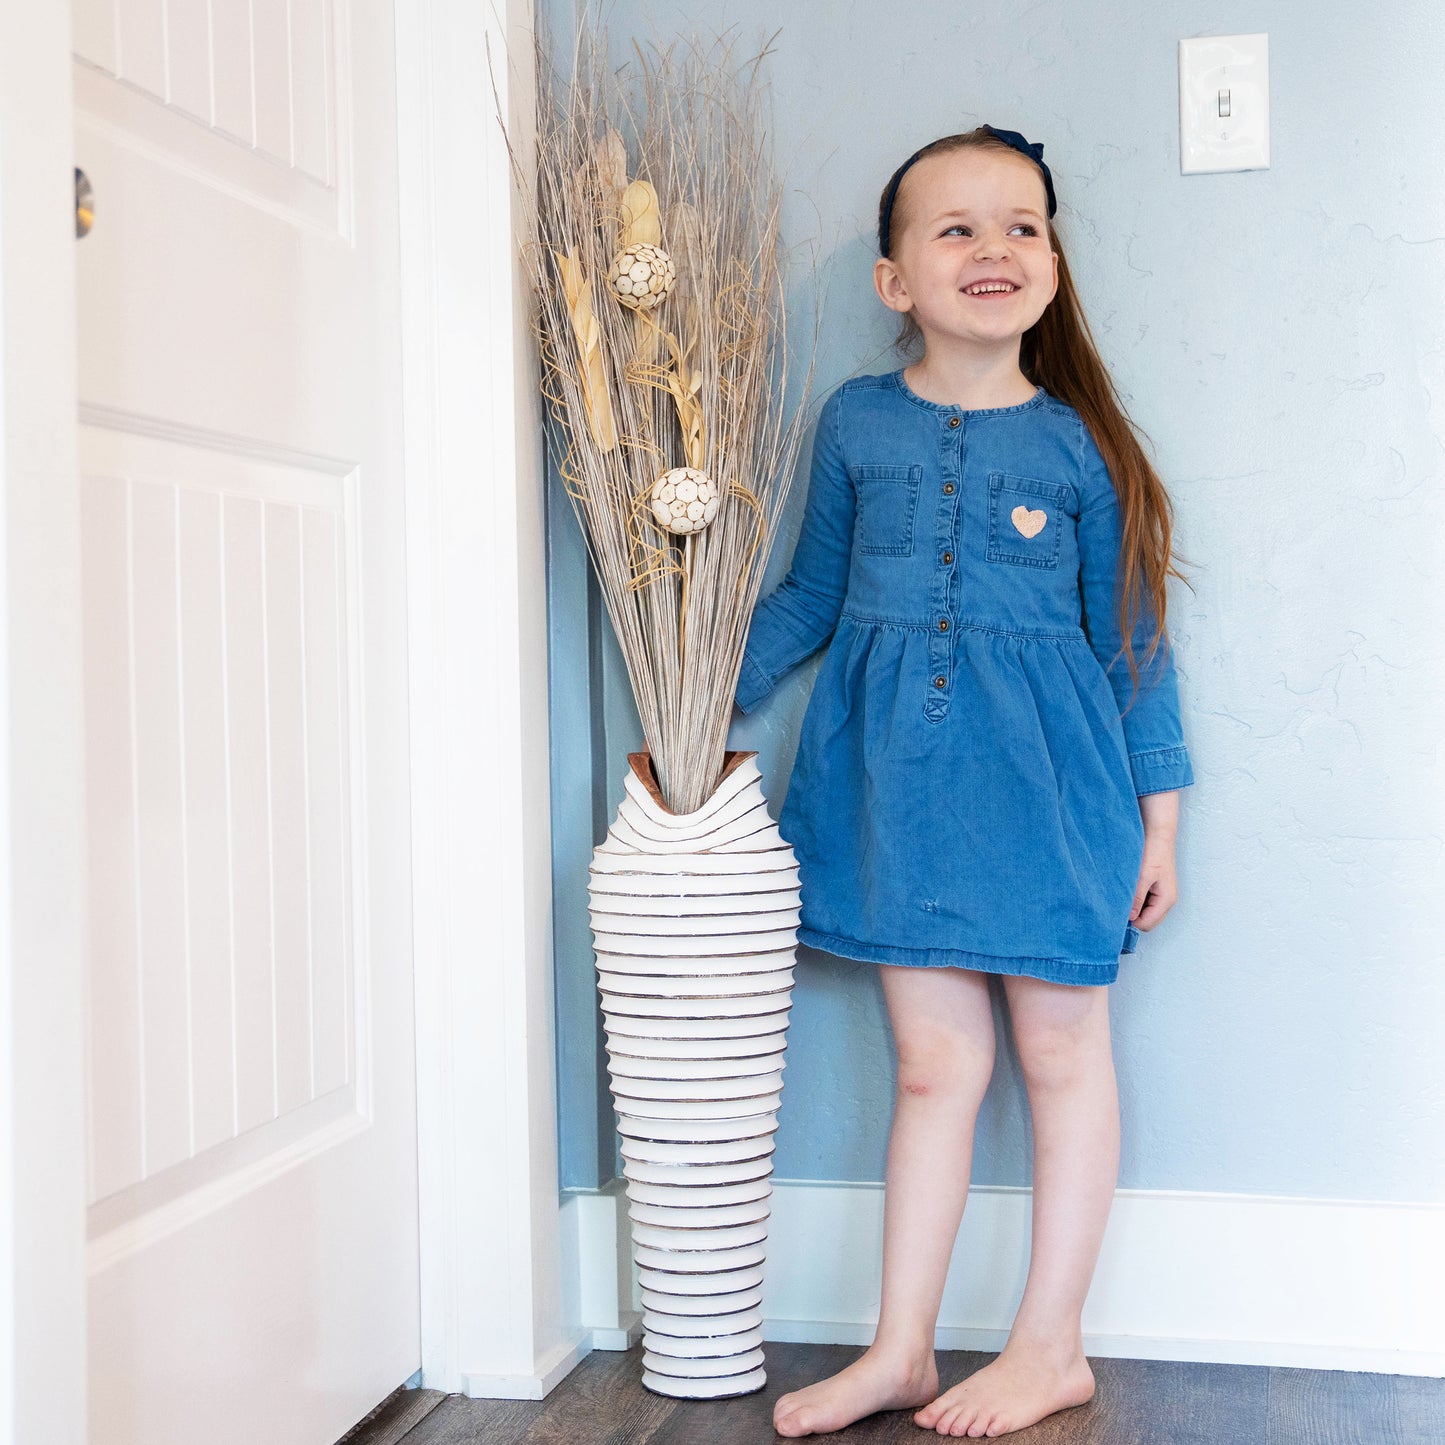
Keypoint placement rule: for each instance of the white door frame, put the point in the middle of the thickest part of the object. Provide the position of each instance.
(491, 1241)
(42, 842)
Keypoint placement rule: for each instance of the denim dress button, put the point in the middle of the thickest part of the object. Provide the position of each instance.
(948, 489)
(938, 681)
(947, 558)
(953, 421)
(943, 624)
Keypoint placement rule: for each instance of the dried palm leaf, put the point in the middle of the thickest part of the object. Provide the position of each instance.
(595, 392)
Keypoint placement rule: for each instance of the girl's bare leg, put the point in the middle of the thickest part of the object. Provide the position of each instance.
(943, 1029)
(1062, 1034)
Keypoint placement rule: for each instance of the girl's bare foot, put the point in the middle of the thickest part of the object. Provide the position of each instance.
(1016, 1390)
(874, 1381)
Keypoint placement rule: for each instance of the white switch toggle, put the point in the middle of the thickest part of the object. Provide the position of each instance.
(1224, 103)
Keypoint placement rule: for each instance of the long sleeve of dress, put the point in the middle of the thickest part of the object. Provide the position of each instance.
(1158, 758)
(800, 615)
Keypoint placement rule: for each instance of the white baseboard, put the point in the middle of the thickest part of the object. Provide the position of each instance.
(627, 1333)
(1225, 1278)
(553, 1368)
(1138, 1347)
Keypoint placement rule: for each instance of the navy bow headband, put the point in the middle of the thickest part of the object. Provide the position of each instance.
(1034, 152)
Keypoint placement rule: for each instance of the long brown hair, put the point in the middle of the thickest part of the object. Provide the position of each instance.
(1058, 353)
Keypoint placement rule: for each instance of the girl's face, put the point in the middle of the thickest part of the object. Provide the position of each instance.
(972, 216)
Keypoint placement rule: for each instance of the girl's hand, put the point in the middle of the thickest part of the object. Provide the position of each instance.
(1157, 883)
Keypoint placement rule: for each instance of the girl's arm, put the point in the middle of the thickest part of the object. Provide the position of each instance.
(1158, 759)
(1160, 812)
(1157, 890)
(801, 613)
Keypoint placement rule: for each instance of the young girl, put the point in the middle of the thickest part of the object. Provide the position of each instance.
(988, 770)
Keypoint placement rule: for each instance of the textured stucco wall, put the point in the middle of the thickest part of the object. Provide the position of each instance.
(1279, 336)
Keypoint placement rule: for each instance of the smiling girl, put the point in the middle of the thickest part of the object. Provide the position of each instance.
(987, 774)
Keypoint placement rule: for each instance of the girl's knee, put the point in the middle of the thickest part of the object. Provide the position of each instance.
(943, 1029)
(945, 1062)
(1052, 1045)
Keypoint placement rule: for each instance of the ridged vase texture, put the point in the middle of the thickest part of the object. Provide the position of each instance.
(694, 921)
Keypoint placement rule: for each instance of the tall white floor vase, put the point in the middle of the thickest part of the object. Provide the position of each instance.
(694, 918)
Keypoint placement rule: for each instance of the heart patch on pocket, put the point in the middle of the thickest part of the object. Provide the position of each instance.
(1029, 523)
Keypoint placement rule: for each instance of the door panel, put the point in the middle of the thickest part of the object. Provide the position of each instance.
(253, 1224)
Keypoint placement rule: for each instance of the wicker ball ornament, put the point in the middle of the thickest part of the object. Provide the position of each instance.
(684, 500)
(641, 275)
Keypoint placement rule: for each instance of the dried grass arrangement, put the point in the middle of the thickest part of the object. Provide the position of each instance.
(652, 248)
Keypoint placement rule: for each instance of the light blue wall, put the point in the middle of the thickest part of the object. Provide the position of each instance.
(1280, 337)
(579, 821)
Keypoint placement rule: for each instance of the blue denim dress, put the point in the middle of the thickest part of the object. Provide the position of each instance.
(965, 788)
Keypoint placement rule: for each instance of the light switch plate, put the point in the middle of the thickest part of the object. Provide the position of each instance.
(1224, 103)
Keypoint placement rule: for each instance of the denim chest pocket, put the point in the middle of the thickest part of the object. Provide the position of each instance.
(1025, 519)
(887, 501)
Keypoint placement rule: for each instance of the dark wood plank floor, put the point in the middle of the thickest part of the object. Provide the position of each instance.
(1136, 1402)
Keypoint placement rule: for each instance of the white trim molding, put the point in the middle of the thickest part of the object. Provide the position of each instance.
(1327, 1284)
(598, 1254)
(43, 901)
(493, 1316)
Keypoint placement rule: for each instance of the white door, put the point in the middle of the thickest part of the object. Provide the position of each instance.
(253, 1249)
